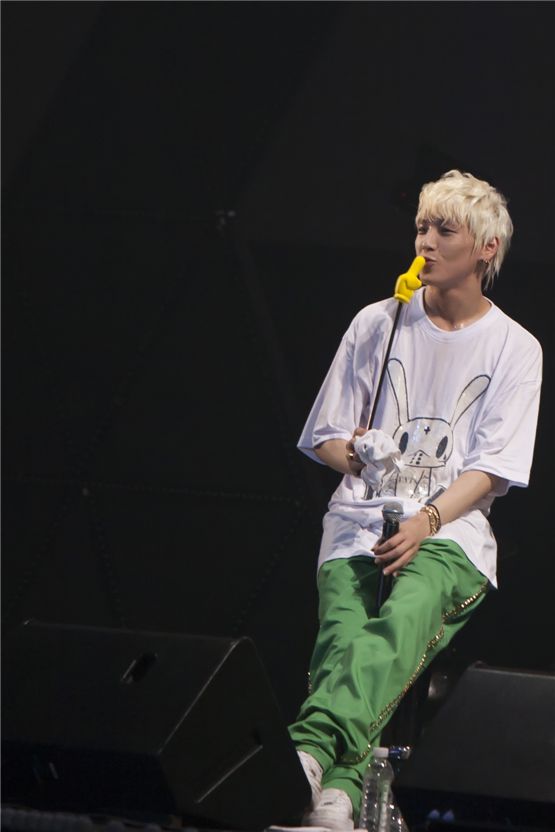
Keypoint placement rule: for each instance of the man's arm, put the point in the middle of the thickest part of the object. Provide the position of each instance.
(340, 454)
(335, 452)
(462, 494)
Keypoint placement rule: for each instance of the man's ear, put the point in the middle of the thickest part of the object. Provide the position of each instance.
(490, 248)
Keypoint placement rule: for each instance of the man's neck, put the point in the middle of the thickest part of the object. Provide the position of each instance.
(455, 308)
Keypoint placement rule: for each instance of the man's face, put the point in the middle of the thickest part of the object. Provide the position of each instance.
(448, 250)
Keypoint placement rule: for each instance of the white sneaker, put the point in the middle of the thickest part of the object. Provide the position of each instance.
(313, 772)
(334, 811)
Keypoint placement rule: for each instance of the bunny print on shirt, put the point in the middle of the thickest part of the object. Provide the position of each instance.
(425, 442)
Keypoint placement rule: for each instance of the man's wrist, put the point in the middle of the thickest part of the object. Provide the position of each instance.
(434, 517)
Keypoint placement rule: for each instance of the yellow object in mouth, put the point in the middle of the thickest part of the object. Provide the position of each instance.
(409, 282)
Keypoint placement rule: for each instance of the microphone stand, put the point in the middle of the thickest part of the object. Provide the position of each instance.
(405, 287)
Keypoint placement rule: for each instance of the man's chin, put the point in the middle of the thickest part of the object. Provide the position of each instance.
(431, 279)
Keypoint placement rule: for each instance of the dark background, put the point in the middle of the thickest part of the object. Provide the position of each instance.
(197, 198)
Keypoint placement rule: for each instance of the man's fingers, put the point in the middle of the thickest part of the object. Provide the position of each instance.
(351, 454)
(395, 565)
(386, 548)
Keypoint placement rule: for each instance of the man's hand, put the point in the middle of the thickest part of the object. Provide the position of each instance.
(403, 546)
(353, 460)
(464, 493)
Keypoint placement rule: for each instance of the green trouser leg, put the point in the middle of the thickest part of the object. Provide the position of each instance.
(363, 665)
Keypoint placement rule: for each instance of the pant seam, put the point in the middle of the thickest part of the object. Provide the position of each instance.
(466, 603)
(352, 759)
(374, 726)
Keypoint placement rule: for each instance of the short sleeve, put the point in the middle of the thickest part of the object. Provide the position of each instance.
(503, 442)
(342, 403)
(333, 414)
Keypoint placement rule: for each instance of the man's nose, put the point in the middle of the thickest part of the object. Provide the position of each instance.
(428, 240)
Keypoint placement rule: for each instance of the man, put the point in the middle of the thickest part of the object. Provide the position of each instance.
(458, 409)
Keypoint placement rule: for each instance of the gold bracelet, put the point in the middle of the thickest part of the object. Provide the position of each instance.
(434, 517)
(437, 514)
(433, 511)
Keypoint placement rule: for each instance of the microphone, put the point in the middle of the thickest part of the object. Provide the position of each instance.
(392, 514)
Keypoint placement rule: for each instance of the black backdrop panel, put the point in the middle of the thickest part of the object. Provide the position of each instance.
(166, 108)
(126, 328)
(153, 414)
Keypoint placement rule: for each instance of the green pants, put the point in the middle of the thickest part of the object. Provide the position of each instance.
(363, 665)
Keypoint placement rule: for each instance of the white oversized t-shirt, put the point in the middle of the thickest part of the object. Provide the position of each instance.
(452, 401)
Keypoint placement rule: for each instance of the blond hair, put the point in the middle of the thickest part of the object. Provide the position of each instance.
(464, 200)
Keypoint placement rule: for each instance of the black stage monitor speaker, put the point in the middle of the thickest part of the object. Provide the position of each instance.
(489, 754)
(119, 722)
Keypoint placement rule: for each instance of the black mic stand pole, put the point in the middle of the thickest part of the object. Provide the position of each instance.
(405, 287)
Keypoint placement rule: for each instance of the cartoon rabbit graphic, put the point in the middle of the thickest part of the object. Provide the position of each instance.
(425, 442)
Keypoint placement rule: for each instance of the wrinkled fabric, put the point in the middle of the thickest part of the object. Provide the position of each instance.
(380, 455)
